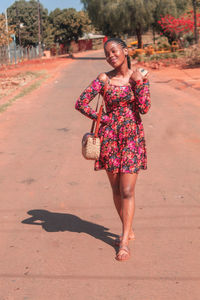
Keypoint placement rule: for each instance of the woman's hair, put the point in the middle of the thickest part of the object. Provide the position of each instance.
(122, 44)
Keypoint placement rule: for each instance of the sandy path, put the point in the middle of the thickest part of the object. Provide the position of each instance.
(62, 250)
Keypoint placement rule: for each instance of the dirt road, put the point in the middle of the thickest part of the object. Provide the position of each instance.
(57, 216)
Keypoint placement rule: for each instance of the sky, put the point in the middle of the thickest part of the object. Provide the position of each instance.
(49, 4)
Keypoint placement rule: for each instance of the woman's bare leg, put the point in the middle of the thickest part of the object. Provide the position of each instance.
(127, 191)
(115, 184)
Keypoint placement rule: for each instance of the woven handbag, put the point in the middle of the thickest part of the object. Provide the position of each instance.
(91, 144)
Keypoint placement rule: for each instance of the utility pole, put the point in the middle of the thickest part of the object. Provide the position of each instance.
(39, 28)
(6, 18)
(18, 21)
(195, 21)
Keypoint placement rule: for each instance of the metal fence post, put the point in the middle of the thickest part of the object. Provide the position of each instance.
(17, 53)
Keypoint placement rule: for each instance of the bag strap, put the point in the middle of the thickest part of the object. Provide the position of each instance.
(99, 113)
(94, 121)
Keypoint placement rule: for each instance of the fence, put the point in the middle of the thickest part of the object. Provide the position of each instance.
(13, 54)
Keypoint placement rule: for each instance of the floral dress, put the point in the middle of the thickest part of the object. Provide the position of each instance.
(121, 131)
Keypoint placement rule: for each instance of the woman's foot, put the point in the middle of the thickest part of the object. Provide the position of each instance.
(119, 239)
(123, 253)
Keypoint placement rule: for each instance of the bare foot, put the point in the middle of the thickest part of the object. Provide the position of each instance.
(123, 253)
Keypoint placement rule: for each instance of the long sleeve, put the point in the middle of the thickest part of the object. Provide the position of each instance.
(82, 104)
(142, 95)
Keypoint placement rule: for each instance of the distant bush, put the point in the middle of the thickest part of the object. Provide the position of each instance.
(163, 43)
(193, 56)
(160, 56)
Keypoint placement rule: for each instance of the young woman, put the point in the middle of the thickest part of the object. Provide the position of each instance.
(123, 151)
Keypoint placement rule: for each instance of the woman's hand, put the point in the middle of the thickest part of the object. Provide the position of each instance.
(136, 75)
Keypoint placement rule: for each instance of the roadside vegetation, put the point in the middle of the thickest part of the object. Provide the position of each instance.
(57, 27)
(30, 81)
(172, 23)
(175, 25)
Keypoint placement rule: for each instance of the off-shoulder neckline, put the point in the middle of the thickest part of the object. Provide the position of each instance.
(119, 85)
(127, 85)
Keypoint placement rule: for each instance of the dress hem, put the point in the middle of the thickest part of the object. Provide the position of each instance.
(124, 172)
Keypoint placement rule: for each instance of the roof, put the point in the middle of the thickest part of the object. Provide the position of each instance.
(91, 36)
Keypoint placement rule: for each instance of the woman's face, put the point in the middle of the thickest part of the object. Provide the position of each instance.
(115, 54)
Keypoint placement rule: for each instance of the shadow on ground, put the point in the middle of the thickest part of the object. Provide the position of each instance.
(88, 58)
(55, 222)
(84, 58)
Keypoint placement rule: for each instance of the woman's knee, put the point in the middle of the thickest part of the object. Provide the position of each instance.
(116, 190)
(127, 192)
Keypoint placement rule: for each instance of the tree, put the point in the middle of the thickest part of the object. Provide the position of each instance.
(121, 16)
(24, 16)
(5, 33)
(131, 16)
(101, 14)
(161, 9)
(176, 27)
(139, 15)
(183, 24)
(68, 25)
(194, 3)
(48, 36)
(181, 6)
(86, 24)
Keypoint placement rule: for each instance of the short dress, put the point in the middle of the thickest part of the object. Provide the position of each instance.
(121, 132)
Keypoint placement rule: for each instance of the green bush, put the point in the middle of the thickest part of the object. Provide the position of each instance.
(160, 56)
(174, 55)
(141, 57)
(163, 43)
(193, 56)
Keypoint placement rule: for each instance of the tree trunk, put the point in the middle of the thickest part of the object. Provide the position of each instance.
(154, 35)
(139, 36)
(195, 20)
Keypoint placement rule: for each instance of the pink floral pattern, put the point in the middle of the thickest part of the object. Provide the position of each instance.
(121, 132)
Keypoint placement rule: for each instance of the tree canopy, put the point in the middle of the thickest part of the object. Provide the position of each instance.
(112, 18)
(5, 33)
(24, 16)
(68, 24)
(161, 9)
(60, 26)
(130, 16)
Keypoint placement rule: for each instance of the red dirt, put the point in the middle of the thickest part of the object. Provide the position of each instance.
(179, 77)
(57, 215)
(15, 77)
(33, 65)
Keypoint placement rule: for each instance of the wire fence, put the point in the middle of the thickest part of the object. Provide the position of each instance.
(14, 54)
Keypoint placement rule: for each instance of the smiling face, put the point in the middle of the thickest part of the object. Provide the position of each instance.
(115, 54)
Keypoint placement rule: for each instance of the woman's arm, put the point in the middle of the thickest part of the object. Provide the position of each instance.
(140, 87)
(82, 104)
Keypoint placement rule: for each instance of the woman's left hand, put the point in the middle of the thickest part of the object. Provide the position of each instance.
(136, 75)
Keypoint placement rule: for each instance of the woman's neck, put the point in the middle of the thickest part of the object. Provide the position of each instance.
(122, 71)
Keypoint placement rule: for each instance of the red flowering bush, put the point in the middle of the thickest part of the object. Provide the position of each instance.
(175, 28)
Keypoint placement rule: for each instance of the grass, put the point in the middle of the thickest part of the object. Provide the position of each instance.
(161, 56)
(26, 90)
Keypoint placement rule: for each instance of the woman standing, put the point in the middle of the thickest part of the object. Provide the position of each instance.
(123, 151)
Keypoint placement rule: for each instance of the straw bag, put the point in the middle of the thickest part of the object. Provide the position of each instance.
(91, 144)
